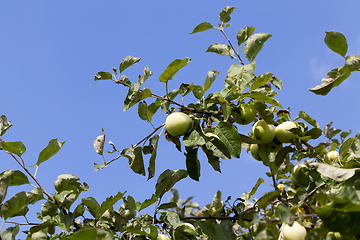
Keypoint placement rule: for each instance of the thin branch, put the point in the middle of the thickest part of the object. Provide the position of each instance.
(36, 224)
(148, 136)
(277, 189)
(31, 175)
(310, 194)
(237, 54)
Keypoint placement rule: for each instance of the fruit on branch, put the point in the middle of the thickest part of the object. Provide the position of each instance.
(256, 152)
(300, 175)
(294, 232)
(264, 132)
(245, 114)
(163, 237)
(334, 235)
(178, 123)
(282, 131)
(281, 187)
(332, 156)
(273, 146)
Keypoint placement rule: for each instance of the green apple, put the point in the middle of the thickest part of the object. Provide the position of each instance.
(334, 235)
(178, 123)
(245, 114)
(282, 131)
(294, 232)
(163, 237)
(264, 132)
(273, 146)
(256, 153)
(332, 156)
(300, 175)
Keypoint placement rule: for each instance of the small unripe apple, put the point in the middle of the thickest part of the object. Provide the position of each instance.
(264, 132)
(334, 235)
(254, 150)
(300, 175)
(178, 123)
(331, 157)
(245, 114)
(294, 232)
(163, 237)
(281, 186)
(282, 131)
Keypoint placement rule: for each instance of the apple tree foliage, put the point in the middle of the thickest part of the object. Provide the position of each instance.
(323, 196)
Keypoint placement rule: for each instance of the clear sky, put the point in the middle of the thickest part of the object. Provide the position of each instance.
(50, 51)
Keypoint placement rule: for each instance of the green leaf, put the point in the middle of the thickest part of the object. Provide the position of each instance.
(352, 62)
(333, 79)
(17, 147)
(285, 214)
(87, 233)
(133, 98)
(261, 80)
(218, 148)
(92, 206)
(103, 76)
(184, 232)
(135, 157)
(197, 90)
(167, 180)
(172, 219)
(221, 49)
(196, 136)
(208, 228)
(202, 27)
(224, 230)
(10, 233)
(267, 199)
(127, 62)
(110, 202)
(15, 204)
(4, 124)
(143, 111)
(262, 98)
(210, 78)
(255, 188)
(336, 42)
(335, 173)
(230, 137)
(67, 182)
(254, 44)
(225, 14)
(152, 108)
(277, 82)
(193, 164)
(148, 202)
(345, 147)
(173, 68)
(307, 118)
(50, 150)
(151, 169)
(244, 34)
(239, 76)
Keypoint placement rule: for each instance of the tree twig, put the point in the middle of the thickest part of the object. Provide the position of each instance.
(237, 54)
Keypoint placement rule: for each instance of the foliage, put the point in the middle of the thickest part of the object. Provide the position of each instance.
(323, 197)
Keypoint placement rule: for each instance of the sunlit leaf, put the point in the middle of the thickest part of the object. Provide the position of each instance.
(335, 173)
(99, 143)
(173, 68)
(103, 76)
(50, 150)
(307, 118)
(225, 14)
(221, 49)
(210, 78)
(184, 232)
(255, 188)
(92, 206)
(87, 233)
(202, 27)
(267, 199)
(17, 148)
(336, 42)
(127, 62)
(168, 179)
(230, 137)
(4, 124)
(261, 80)
(244, 34)
(254, 44)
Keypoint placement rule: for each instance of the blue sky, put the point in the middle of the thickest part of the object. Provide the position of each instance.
(50, 51)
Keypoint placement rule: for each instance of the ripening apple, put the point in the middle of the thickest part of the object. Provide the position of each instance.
(178, 123)
(163, 237)
(245, 114)
(294, 232)
(282, 131)
(254, 150)
(264, 132)
(300, 175)
(331, 157)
